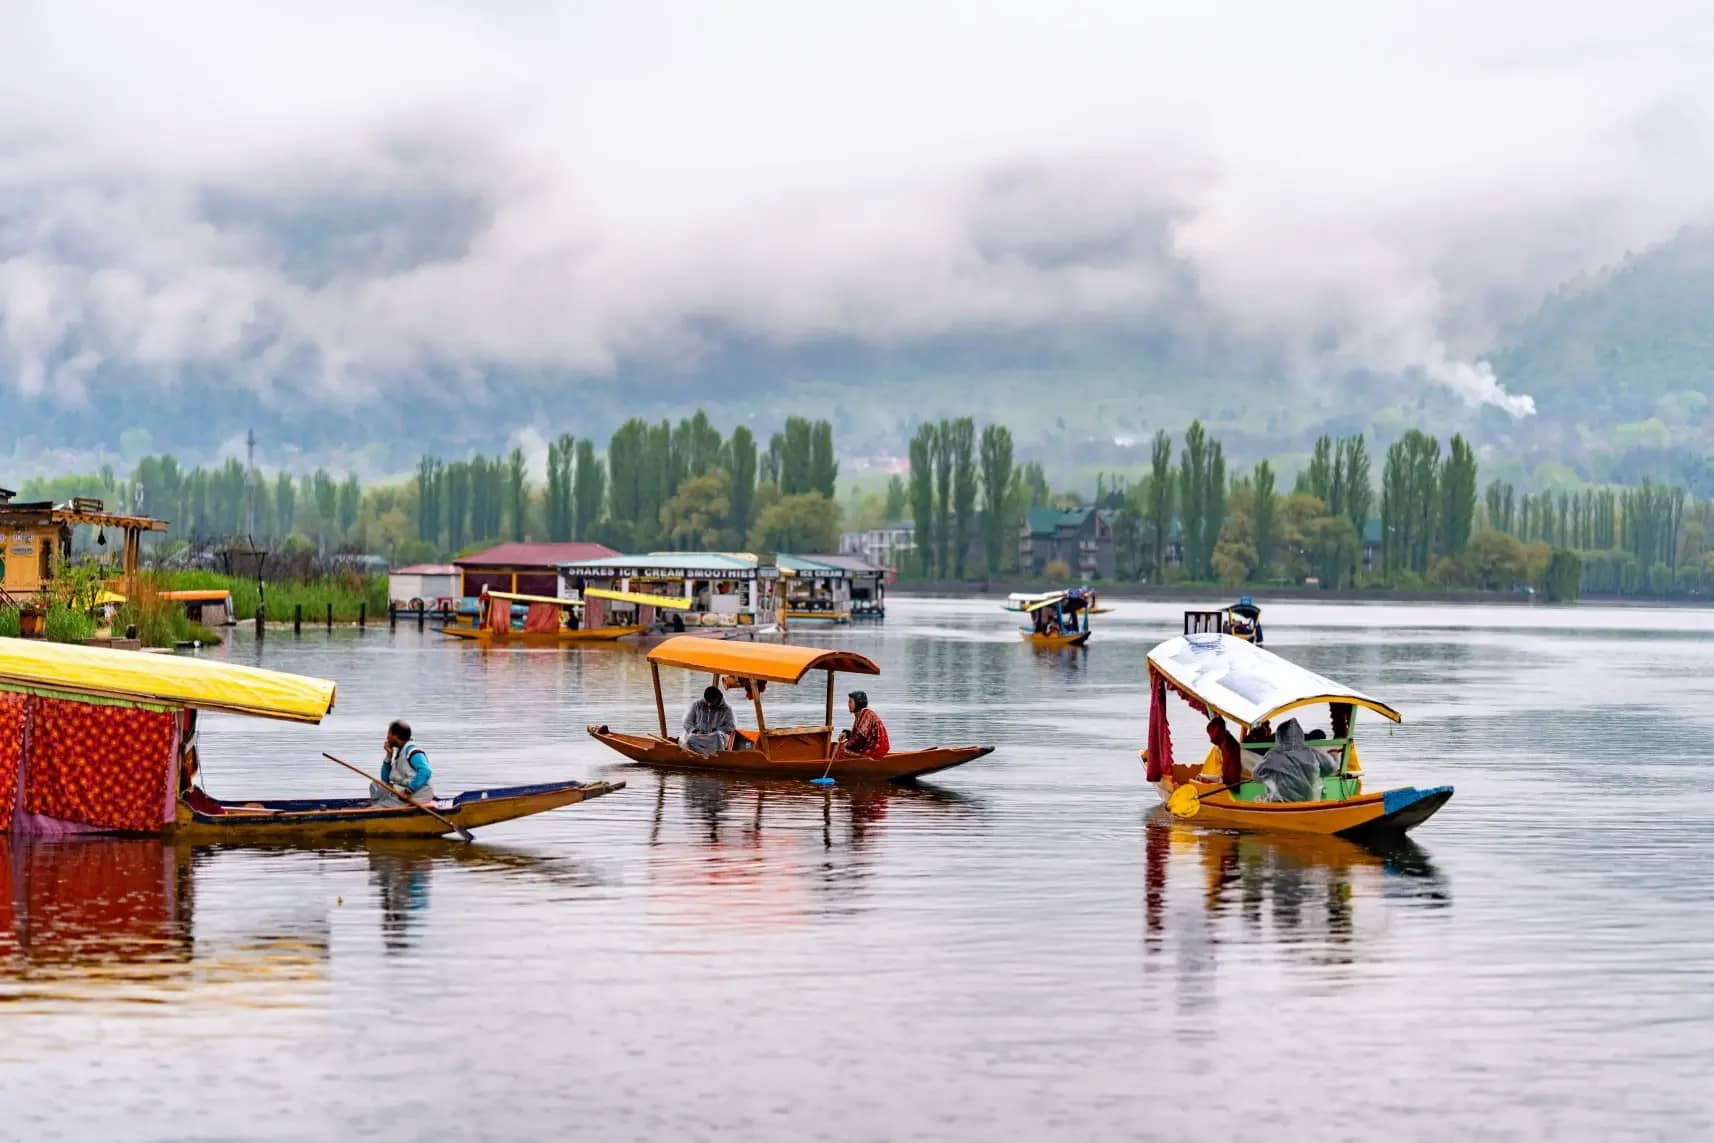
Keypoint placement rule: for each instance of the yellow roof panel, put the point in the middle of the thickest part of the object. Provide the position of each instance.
(677, 602)
(167, 679)
(775, 662)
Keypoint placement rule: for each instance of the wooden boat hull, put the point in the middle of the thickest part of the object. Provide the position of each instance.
(539, 638)
(651, 750)
(1055, 642)
(311, 820)
(1363, 816)
(747, 631)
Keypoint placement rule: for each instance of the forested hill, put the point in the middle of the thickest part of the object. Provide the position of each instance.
(1622, 365)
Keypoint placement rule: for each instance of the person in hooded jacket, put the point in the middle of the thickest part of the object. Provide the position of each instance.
(1292, 771)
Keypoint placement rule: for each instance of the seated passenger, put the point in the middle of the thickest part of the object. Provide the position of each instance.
(867, 737)
(190, 780)
(1231, 756)
(708, 725)
(1292, 771)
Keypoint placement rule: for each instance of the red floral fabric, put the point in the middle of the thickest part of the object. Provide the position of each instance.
(13, 710)
(542, 619)
(103, 766)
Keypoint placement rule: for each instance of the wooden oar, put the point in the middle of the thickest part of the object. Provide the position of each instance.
(408, 800)
(1186, 801)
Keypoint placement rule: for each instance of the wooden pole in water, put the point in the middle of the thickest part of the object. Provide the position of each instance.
(330, 617)
(660, 703)
(297, 619)
(363, 613)
(392, 616)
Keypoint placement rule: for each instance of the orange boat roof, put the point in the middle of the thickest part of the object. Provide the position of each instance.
(199, 595)
(775, 662)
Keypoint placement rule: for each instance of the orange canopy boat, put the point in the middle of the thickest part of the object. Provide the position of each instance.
(788, 752)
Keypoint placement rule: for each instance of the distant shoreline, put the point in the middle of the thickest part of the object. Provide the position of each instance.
(1213, 597)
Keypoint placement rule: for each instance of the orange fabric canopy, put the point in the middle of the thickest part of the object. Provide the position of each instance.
(774, 662)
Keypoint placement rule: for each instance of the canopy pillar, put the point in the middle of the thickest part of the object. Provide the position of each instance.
(761, 723)
(660, 703)
(830, 700)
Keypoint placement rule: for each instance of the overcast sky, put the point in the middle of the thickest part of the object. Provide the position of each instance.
(322, 197)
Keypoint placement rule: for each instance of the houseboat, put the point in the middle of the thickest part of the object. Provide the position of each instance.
(727, 594)
(812, 590)
(868, 583)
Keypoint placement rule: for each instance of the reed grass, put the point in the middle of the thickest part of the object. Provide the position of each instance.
(344, 590)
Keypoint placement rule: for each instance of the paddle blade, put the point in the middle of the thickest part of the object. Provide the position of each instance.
(822, 781)
(1184, 802)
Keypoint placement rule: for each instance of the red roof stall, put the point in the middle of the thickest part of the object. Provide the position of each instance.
(532, 569)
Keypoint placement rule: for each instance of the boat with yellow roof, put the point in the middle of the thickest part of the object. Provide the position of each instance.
(1058, 619)
(1228, 676)
(552, 621)
(102, 741)
(782, 752)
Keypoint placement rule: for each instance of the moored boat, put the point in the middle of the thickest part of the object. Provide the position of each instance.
(550, 621)
(99, 741)
(783, 752)
(1229, 676)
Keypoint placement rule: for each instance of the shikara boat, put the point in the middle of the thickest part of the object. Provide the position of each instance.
(781, 752)
(1232, 677)
(1058, 618)
(101, 741)
(551, 621)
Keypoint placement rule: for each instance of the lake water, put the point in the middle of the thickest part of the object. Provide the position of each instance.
(1024, 950)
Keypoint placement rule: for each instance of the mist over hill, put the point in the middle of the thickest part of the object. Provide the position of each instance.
(1620, 364)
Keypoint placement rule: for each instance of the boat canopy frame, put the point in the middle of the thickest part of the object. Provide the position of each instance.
(753, 663)
(1248, 684)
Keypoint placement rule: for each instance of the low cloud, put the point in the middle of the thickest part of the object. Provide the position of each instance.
(315, 202)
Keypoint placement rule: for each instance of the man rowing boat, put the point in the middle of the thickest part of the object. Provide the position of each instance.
(867, 737)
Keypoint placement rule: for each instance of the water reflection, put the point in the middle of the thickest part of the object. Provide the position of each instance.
(114, 919)
(1302, 892)
(758, 852)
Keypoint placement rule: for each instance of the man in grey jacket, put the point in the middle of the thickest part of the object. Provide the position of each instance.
(709, 725)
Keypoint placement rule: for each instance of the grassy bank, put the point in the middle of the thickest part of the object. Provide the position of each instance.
(346, 592)
(61, 624)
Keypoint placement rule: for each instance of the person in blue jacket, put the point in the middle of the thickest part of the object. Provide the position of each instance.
(406, 768)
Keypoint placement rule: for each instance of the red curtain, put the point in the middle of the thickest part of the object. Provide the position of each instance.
(499, 614)
(542, 618)
(103, 766)
(1160, 734)
(13, 708)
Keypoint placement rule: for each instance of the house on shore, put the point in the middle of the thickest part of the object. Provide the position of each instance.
(893, 546)
(1079, 538)
(422, 585)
